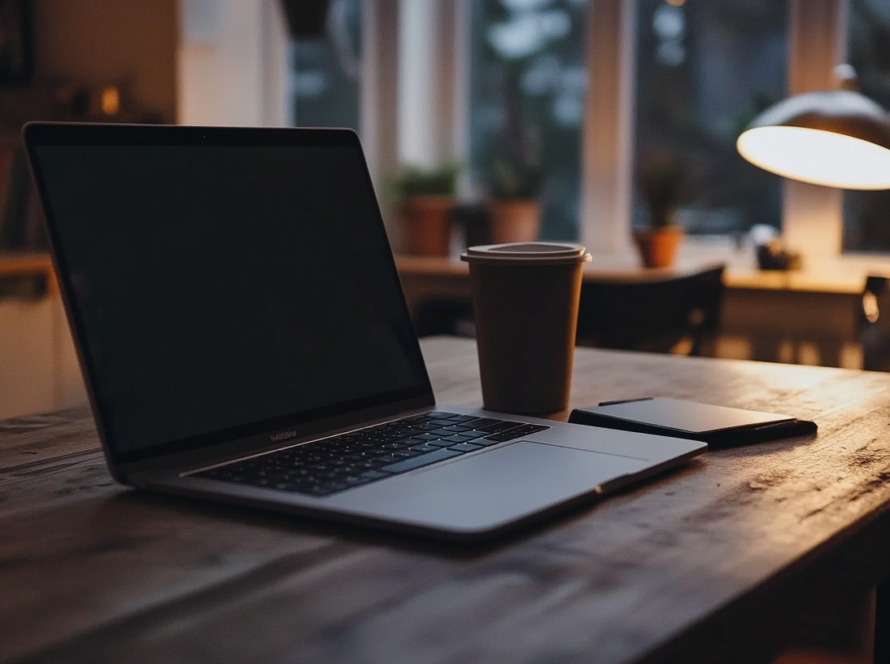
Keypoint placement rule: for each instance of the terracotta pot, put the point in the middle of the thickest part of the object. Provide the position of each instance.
(658, 246)
(426, 222)
(514, 220)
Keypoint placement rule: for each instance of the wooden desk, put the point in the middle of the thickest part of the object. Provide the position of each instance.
(806, 316)
(722, 561)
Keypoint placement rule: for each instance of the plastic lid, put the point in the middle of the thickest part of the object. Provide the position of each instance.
(527, 253)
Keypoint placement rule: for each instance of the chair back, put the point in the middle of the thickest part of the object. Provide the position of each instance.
(873, 324)
(653, 315)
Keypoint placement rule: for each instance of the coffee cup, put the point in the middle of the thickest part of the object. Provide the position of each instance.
(525, 300)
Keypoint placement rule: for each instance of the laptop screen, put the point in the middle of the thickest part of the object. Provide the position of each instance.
(229, 287)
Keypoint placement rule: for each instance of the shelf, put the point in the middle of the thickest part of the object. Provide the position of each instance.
(29, 264)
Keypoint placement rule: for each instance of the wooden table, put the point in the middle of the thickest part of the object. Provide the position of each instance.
(721, 561)
(781, 316)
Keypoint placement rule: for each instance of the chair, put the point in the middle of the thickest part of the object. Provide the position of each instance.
(653, 315)
(448, 316)
(873, 324)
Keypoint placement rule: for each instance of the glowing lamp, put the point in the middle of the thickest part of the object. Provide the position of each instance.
(837, 138)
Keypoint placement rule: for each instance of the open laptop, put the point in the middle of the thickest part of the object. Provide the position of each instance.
(244, 338)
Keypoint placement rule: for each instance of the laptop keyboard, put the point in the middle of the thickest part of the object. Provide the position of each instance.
(342, 462)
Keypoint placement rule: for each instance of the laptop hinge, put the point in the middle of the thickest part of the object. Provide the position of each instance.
(248, 446)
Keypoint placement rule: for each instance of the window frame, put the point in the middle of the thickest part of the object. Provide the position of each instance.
(812, 217)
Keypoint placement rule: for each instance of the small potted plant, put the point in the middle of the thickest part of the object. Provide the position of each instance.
(427, 197)
(515, 208)
(663, 180)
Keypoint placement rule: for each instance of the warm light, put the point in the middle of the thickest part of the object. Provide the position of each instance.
(676, 3)
(818, 157)
(111, 101)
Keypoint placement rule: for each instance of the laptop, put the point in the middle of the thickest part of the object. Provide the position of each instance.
(244, 338)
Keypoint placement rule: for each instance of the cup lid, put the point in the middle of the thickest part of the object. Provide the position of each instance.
(527, 253)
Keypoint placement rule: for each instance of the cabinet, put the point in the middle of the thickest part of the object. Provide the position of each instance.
(38, 364)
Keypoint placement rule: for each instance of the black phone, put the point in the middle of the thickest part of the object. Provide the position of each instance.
(719, 426)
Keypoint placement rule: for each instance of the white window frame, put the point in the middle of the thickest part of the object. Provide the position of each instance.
(418, 111)
(813, 216)
(812, 219)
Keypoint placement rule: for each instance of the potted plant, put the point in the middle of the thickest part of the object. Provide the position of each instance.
(663, 180)
(427, 198)
(515, 208)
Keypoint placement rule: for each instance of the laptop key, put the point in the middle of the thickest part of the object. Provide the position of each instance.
(420, 461)
(484, 421)
(506, 435)
(439, 415)
(426, 436)
(500, 426)
(444, 442)
(440, 423)
(533, 428)
(423, 426)
(465, 447)
(364, 465)
(518, 432)
(406, 454)
(426, 447)
(463, 438)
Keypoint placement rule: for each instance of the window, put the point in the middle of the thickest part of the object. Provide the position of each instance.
(701, 70)
(866, 226)
(705, 68)
(527, 83)
(324, 84)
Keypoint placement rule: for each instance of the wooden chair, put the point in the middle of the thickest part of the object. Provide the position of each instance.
(448, 316)
(873, 324)
(677, 314)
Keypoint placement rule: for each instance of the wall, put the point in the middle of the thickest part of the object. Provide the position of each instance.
(27, 357)
(131, 42)
(232, 63)
(110, 41)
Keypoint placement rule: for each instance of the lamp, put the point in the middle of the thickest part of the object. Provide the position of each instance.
(835, 138)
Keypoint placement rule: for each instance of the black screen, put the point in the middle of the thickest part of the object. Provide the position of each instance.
(219, 286)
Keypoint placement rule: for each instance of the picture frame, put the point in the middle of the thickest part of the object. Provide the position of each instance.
(16, 42)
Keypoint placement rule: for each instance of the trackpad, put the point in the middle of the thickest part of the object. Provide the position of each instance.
(486, 490)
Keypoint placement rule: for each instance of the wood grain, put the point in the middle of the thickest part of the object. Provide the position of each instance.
(721, 560)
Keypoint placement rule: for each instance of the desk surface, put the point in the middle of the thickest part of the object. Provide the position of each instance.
(689, 567)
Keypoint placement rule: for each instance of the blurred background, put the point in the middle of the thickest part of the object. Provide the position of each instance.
(592, 110)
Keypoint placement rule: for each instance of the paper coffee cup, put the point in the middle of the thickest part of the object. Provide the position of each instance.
(525, 299)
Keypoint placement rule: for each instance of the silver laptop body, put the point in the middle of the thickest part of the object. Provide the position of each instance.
(239, 322)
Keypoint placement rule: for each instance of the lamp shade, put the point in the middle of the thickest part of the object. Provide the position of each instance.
(836, 138)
